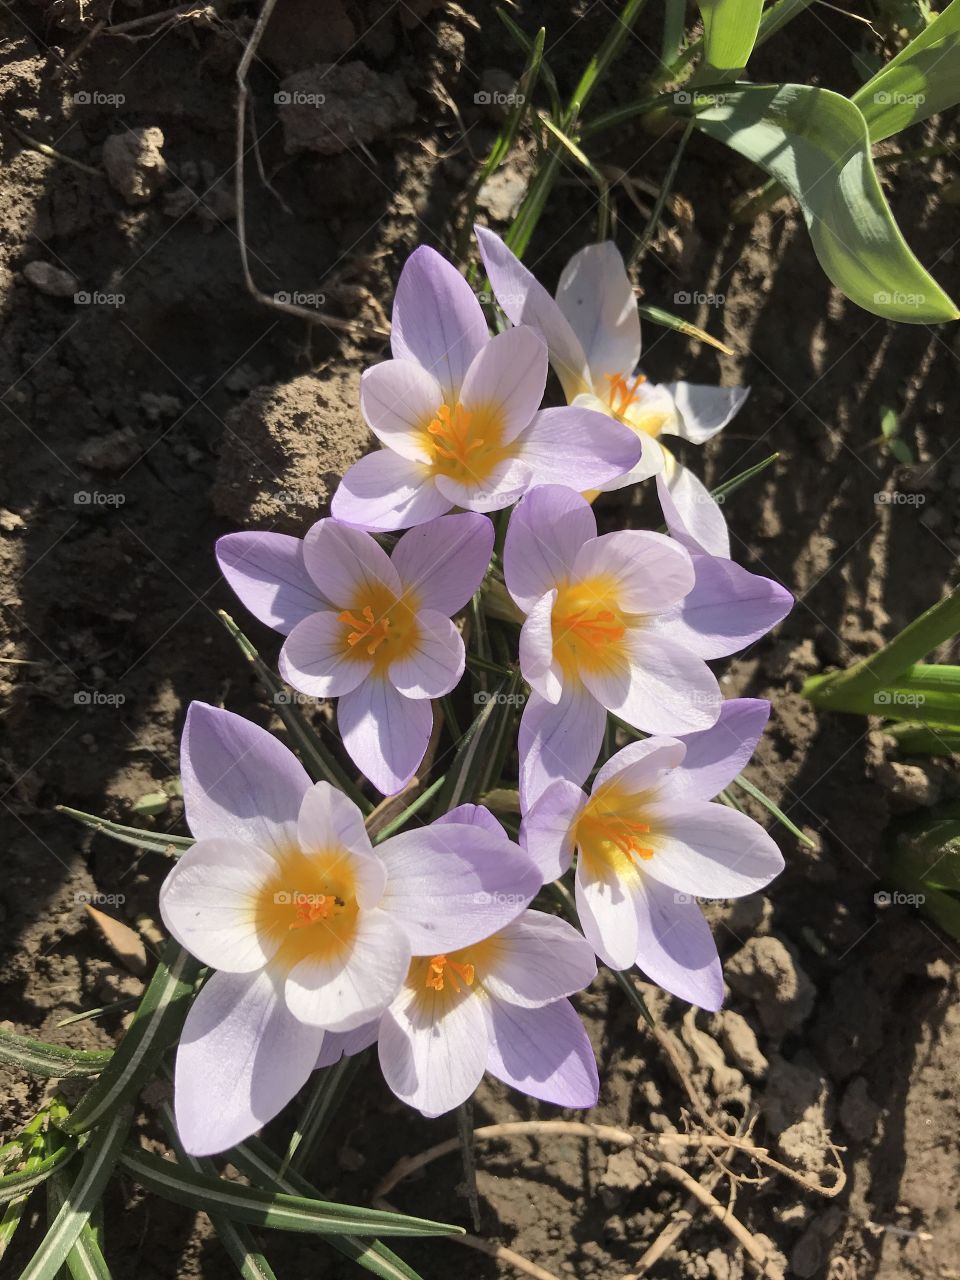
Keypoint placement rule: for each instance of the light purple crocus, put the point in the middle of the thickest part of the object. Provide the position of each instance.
(498, 1006)
(649, 844)
(370, 629)
(592, 330)
(456, 412)
(310, 930)
(623, 623)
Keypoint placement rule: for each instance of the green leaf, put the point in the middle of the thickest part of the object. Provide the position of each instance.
(81, 1199)
(901, 451)
(154, 841)
(270, 1209)
(815, 143)
(889, 423)
(155, 1026)
(729, 487)
(768, 804)
(917, 739)
(85, 1260)
(53, 1060)
(151, 804)
(15, 1185)
(667, 320)
(921, 80)
(729, 33)
(928, 691)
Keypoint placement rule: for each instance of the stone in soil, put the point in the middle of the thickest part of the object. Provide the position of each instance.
(767, 971)
(134, 163)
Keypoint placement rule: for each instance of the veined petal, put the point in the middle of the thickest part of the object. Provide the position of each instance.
(436, 662)
(342, 990)
(659, 688)
(652, 573)
(384, 733)
(597, 298)
(239, 782)
(526, 301)
(544, 535)
(504, 484)
(677, 950)
(344, 1044)
(702, 411)
(433, 1050)
(330, 820)
(345, 562)
(641, 766)
(691, 512)
(444, 562)
(384, 491)
(540, 669)
(450, 885)
(728, 609)
(473, 815)
(315, 658)
(209, 904)
(577, 447)
(398, 398)
(716, 756)
(537, 959)
(242, 1057)
(547, 830)
(653, 461)
(437, 320)
(267, 573)
(709, 850)
(606, 905)
(558, 741)
(545, 1053)
(508, 377)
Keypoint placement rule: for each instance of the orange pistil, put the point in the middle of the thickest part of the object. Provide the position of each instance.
(622, 394)
(366, 628)
(442, 969)
(451, 431)
(597, 627)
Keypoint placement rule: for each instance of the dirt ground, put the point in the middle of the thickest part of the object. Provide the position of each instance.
(150, 404)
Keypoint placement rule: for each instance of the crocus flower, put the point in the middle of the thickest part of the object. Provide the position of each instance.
(624, 623)
(649, 844)
(457, 414)
(496, 1006)
(370, 629)
(592, 330)
(308, 928)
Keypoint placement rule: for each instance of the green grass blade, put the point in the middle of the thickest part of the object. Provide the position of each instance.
(54, 1060)
(85, 1260)
(410, 811)
(15, 1185)
(153, 841)
(917, 739)
(730, 29)
(731, 486)
(325, 1096)
(756, 794)
(667, 320)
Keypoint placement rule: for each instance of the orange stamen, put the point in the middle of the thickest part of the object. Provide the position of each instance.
(373, 630)
(442, 969)
(451, 432)
(597, 627)
(622, 394)
(309, 911)
(624, 833)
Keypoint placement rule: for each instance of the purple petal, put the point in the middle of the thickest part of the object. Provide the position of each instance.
(384, 733)
(344, 1044)
(444, 562)
(677, 950)
(709, 850)
(716, 756)
(435, 664)
(346, 563)
(316, 660)
(541, 671)
(641, 766)
(596, 296)
(691, 511)
(508, 377)
(450, 885)
(657, 686)
(545, 533)
(384, 491)
(437, 320)
(242, 1057)
(703, 411)
(653, 460)
(536, 960)
(399, 399)
(651, 571)
(560, 741)
(544, 1053)
(578, 448)
(606, 905)
(728, 609)
(473, 815)
(267, 573)
(525, 301)
(547, 830)
(433, 1050)
(239, 782)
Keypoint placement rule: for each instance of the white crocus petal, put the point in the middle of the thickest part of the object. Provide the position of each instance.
(608, 914)
(657, 687)
(341, 988)
(544, 535)
(692, 513)
(347, 563)
(559, 740)
(652, 462)
(433, 1050)
(329, 820)
(597, 299)
(702, 411)
(436, 662)
(536, 960)
(317, 660)
(504, 484)
(507, 377)
(640, 766)
(547, 830)
(709, 850)
(677, 950)
(540, 670)
(399, 399)
(383, 491)
(652, 573)
(209, 904)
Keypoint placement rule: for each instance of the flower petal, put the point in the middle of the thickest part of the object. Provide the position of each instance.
(702, 411)
(537, 959)
(436, 662)
(641, 766)
(384, 491)
(433, 1050)
(658, 687)
(558, 741)
(540, 669)
(504, 484)
(444, 562)
(716, 756)
(450, 884)
(473, 815)
(691, 512)
(345, 562)
(728, 609)
(340, 990)
(652, 572)
(345, 1044)
(709, 850)
(606, 905)
(653, 461)
(577, 447)
(545, 1053)
(316, 660)
(239, 782)
(547, 830)
(242, 1057)
(384, 733)
(544, 535)
(677, 950)
(437, 320)
(398, 399)
(597, 298)
(330, 820)
(267, 573)
(209, 903)
(508, 377)
(525, 301)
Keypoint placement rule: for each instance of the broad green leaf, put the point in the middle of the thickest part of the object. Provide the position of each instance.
(52, 1060)
(916, 739)
(155, 1026)
(100, 1157)
(277, 1210)
(930, 692)
(815, 143)
(729, 33)
(154, 841)
(921, 80)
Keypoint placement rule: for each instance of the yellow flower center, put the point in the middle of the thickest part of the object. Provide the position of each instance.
(381, 626)
(466, 444)
(588, 625)
(443, 969)
(438, 983)
(623, 401)
(612, 835)
(310, 906)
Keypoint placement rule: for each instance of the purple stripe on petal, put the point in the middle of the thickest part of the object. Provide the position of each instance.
(267, 572)
(560, 741)
(384, 491)
(384, 733)
(545, 533)
(578, 448)
(545, 1053)
(716, 756)
(444, 562)
(677, 950)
